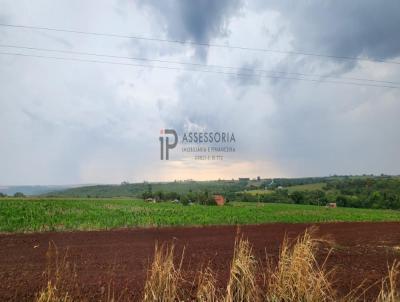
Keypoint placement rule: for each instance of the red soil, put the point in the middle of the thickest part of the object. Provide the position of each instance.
(362, 251)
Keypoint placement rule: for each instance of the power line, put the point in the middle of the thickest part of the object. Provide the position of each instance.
(203, 44)
(198, 70)
(195, 64)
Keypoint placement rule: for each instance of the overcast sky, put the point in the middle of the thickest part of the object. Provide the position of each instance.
(69, 122)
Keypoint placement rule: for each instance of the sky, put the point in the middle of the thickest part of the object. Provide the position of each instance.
(79, 122)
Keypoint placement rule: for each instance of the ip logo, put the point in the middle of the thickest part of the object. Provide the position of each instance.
(168, 146)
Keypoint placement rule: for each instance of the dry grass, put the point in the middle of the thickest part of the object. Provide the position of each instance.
(108, 291)
(52, 294)
(163, 276)
(206, 286)
(389, 289)
(61, 278)
(242, 284)
(297, 276)
(62, 283)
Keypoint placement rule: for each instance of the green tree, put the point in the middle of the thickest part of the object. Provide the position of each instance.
(297, 197)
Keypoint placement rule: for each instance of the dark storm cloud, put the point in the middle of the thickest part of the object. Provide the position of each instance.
(195, 21)
(343, 28)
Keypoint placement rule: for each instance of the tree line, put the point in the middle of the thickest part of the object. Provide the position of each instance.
(377, 193)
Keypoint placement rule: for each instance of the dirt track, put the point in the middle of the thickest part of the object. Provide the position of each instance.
(362, 251)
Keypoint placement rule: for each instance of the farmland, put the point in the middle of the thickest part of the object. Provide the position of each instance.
(306, 187)
(117, 261)
(109, 239)
(67, 214)
(291, 189)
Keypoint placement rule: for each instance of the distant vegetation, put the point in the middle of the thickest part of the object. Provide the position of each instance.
(19, 195)
(306, 187)
(137, 189)
(379, 192)
(49, 214)
(356, 192)
(29, 190)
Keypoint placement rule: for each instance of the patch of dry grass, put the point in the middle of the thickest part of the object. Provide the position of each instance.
(163, 276)
(61, 278)
(389, 290)
(52, 294)
(298, 276)
(242, 284)
(206, 286)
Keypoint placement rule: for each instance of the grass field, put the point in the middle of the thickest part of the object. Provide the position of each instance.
(306, 187)
(291, 189)
(258, 192)
(37, 215)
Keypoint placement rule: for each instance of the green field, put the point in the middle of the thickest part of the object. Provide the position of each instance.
(37, 215)
(258, 192)
(306, 187)
(291, 189)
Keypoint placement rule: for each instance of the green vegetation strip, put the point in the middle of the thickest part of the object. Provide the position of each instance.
(38, 215)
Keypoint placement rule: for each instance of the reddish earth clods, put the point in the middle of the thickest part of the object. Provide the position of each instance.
(360, 252)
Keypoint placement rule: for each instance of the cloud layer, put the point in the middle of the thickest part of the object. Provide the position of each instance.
(196, 21)
(75, 122)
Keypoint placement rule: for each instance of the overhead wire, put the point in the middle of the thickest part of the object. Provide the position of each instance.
(196, 70)
(203, 44)
(252, 70)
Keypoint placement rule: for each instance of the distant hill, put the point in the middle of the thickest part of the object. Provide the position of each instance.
(136, 189)
(31, 190)
(183, 187)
